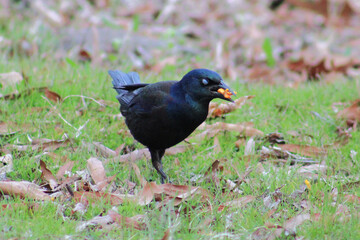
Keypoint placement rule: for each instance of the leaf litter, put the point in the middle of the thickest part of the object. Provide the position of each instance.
(297, 57)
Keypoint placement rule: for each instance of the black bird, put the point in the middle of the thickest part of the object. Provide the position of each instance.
(162, 114)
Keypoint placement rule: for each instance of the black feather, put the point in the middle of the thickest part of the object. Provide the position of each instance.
(162, 114)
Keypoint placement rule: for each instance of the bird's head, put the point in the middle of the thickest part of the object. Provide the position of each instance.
(204, 84)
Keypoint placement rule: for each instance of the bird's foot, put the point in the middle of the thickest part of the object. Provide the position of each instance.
(163, 180)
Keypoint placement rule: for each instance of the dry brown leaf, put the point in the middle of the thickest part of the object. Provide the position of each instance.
(315, 64)
(216, 128)
(23, 189)
(320, 7)
(213, 168)
(310, 151)
(79, 208)
(270, 233)
(16, 94)
(240, 202)
(53, 96)
(63, 169)
(311, 170)
(352, 198)
(47, 175)
(97, 222)
(211, 174)
(138, 174)
(6, 130)
(217, 146)
(350, 185)
(166, 235)
(45, 145)
(102, 186)
(132, 156)
(177, 149)
(113, 199)
(10, 79)
(217, 110)
(31, 206)
(148, 192)
(96, 169)
(105, 151)
(352, 112)
(241, 128)
(152, 190)
(291, 224)
(144, 153)
(84, 56)
(6, 164)
(126, 221)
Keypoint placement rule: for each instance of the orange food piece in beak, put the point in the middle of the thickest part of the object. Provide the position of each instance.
(225, 92)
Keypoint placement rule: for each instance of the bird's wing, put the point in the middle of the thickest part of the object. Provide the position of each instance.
(127, 85)
(151, 99)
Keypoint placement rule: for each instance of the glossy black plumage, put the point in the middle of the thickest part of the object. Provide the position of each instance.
(162, 114)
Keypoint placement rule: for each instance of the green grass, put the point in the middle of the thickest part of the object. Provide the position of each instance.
(274, 109)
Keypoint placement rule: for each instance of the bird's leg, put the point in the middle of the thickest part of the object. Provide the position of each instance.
(156, 156)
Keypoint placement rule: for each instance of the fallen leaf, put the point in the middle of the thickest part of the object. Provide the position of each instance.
(42, 145)
(291, 224)
(177, 149)
(10, 79)
(79, 208)
(6, 130)
(23, 189)
(47, 175)
(213, 168)
(138, 174)
(267, 233)
(144, 153)
(316, 64)
(53, 96)
(63, 169)
(352, 112)
(98, 222)
(100, 148)
(241, 202)
(6, 164)
(166, 235)
(84, 56)
(126, 221)
(181, 192)
(95, 197)
(148, 192)
(313, 168)
(132, 156)
(96, 169)
(216, 128)
(305, 150)
(16, 94)
(275, 138)
(352, 198)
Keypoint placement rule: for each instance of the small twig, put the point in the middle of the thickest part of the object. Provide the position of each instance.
(78, 130)
(83, 98)
(328, 120)
(68, 188)
(240, 181)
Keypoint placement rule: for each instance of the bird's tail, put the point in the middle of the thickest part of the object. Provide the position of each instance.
(120, 79)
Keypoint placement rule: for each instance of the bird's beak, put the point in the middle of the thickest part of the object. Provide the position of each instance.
(223, 91)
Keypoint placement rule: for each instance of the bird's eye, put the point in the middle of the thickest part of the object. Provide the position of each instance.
(205, 82)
